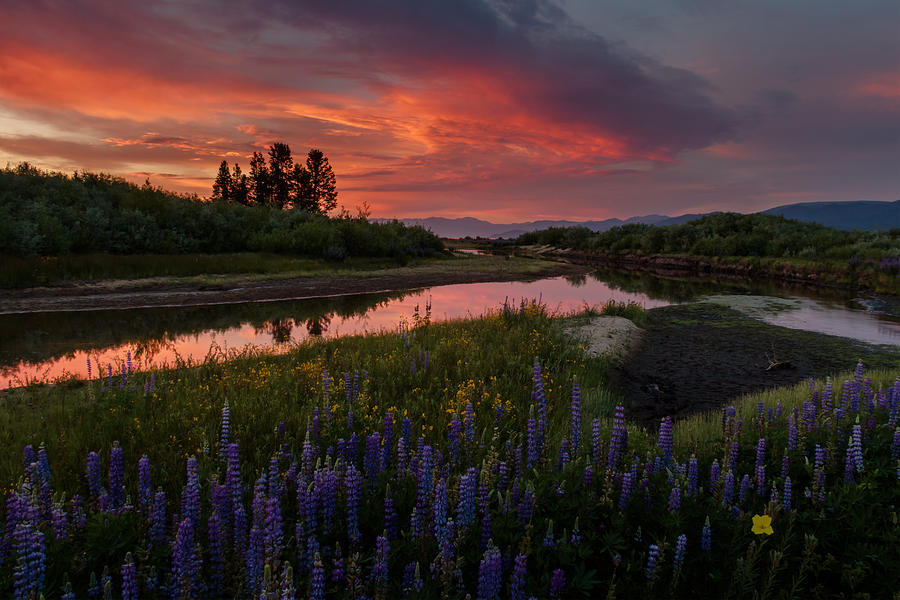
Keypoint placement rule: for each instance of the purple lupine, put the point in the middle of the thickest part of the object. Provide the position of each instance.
(557, 583)
(439, 509)
(185, 564)
(190, 496)
(145, 491)
(895, 447)
(465, 509)
(785, 466)
(317, 579)
(129, 579)
(792, 434)
(518, 577)
(30, 569)
(216, 553)
(116, 478)
(854, 450)
(453, 437)
(596, 441)
(733, 455)
(380, 568)
(79, 517)
(490, 573)
(352, 496)
(745, 488)
(541, 401)
(587, 479)
(665, 439)
(43, 463)
(272, 530)
(576, 419)
(532, 438)
(412, 579)
(715, 471)
(674, 500)
(60, 523)
(693, 476)
(627, 488)
(158, 518)
(255, 561)
(225, 429)
(93, 474)
(469, 423)
(761, 467)
(680, 548)
(563, 455)
(618, 441)
(706, 536)
(549, 536)
(652, 558)
(388, 437)
(372, 458)
(526, 506)
(786, 498)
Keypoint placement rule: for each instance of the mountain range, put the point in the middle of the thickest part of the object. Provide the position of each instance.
(840, 215)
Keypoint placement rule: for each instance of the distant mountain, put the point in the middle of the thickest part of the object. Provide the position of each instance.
(843, 215)
(840, 215)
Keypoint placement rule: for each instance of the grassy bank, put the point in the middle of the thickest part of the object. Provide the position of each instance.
(442, 460)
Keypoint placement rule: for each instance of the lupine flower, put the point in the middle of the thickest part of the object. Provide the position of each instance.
(786, 498)
(680, 548)
(745, 487)
(652, 558)
(518, 578)
(665, 439)
(469, 423)
(557, 583)
(854, 450)
(674, 500)
(576, 418)
(693, 476)
(587, 479)
(317, 580)
(715, 471)
(225, 429)
(216, 553)
(549, 537)
(627, 488)
(526, 507)
(272, 532)
(190, 496)
(532, 434)
(129, 579)
(93, 474)
(706, 537)
(490, 574)
(185, 566)
(465, 509)
(596, 441)
(390, 515)
(618, 441)
(145, 491)
(29, 571)
(254, 564)
(412, 579)
(116, 478)
(380, 568)
(352, 494)
(895, 447)
(60, 523)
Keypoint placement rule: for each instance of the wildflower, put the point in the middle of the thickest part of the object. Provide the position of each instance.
(317, 580)
(706, 537)
(490, 574)
(576, 418)
(786, 498)
(129, 579)
(674, 500)
(665, 439)
(93, 474)
(517, 580)
(549, 538)
(652, 558)
(225, 428)
(618, 441)
(557, 583)
(680, 547)
(762, 524)
(692, 476)
(627, 488)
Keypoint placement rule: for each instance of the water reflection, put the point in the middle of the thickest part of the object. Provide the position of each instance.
(47, 345)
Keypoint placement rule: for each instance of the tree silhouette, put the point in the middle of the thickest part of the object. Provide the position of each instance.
(321, 192)
(281, 172)
(240, 187)
(222, 188)
(260, 188)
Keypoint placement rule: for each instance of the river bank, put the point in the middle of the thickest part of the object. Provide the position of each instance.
(231, 289)
(795, 271)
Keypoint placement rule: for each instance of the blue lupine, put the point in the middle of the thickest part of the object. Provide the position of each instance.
(715, 471)
(59, 522)
(854, 451)
(30, 570)
(674, 500)
(43, 464)
(272, 530)
(185, 564)
(287, 591)
(216, 553)
(255, 561)
(618, 441)
(665, 439)
(380, 568)
(116, 478)
(190, 496)
(563, 454)
(352, 495)
(895, 446)
(145, 491)
(693, 476)
(786, 498)
(465, 508)
(549, 536)
(745, 487)
(490, 572)
(388, 436)
(158, 518)
(439, 508)
(761, 467)
(576, 534)
(596, 441)
(79, 517)
(518, 577)
(576, 418)
(526, 507)
(225, 429)
(627, 488)
(129, 579)
(93, 474)
(317, 580)
(733, 455)
(652, 558)
(680, 548)
(532, 439)
(541, 401)
(587, 480)
(706, 537)
(469, 423)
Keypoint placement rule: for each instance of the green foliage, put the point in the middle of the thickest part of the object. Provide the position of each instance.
(52, 214)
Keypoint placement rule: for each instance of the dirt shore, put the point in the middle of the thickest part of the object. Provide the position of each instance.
(140, 293)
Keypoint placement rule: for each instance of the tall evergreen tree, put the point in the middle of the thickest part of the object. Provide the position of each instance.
(281, 170)
(321, 190)
(300, 189)
(222, 187)
(240, 186)
(260, 187)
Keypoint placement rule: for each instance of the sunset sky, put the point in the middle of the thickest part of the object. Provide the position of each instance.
(504, 110)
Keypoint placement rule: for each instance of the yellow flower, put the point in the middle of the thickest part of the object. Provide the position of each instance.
(762, 524)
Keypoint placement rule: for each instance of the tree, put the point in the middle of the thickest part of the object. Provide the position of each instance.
(260, 188)
(281, 171)
(222, 188)
(300, 189)
(240, 186)
(320, 194)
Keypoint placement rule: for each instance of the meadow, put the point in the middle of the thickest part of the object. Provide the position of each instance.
(481, 458)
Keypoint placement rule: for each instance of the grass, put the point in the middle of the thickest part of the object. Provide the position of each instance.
(283, 412)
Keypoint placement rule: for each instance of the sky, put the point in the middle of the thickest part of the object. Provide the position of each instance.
(504, 110)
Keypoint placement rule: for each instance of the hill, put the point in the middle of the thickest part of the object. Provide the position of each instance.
(843, 215)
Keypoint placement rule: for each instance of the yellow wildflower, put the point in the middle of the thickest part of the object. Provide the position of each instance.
(762, 524)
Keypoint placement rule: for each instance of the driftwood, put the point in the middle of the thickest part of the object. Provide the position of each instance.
(775, 364)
